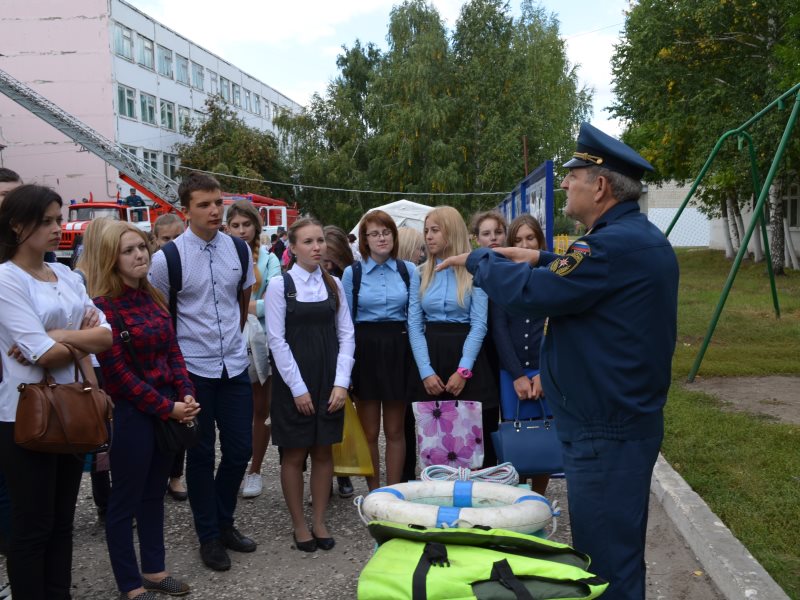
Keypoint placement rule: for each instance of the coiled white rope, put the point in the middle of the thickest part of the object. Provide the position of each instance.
(503, 473)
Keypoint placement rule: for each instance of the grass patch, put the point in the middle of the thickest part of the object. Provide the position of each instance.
(746, 468)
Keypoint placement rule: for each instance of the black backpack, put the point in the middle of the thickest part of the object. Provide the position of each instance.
(175, 274)
(358, 270)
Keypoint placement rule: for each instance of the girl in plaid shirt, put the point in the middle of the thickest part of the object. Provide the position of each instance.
(158, 387)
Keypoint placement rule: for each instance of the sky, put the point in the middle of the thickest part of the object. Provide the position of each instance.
(292, 46)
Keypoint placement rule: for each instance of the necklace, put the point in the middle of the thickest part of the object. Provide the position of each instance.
(44, 273)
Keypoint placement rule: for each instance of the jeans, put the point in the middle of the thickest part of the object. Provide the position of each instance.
(608, 488)
(43, 489)
(225, 403)
(139, 474)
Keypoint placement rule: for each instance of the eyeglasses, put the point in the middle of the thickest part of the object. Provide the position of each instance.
(376, 234)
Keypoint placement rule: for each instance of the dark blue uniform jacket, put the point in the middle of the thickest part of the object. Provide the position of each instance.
(612, 306)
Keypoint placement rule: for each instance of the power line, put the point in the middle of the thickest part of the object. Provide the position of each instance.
(332, 189)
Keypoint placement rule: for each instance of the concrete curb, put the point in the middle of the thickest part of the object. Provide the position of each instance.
(731, 567)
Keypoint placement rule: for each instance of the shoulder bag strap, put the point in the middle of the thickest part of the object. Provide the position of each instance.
(175, 276)
(356, 267)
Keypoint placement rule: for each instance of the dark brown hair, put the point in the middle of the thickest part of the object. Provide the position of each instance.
(531, 222)
(480, 217)
(24, 206)
(382, 218)
(194, 182)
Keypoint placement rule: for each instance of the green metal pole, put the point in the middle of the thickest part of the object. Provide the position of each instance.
(697, 181)
(762, 220)
(743, 248)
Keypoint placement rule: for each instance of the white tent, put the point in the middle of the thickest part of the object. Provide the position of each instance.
(405, 214)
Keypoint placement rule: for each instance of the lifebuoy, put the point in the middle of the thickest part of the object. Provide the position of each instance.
(461, 504)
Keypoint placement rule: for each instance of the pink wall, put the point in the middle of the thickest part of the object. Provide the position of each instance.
(61, 50)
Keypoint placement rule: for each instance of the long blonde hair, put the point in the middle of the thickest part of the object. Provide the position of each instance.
(248, 211)
(409, 241)
(89, 260)
(106, 278)
(456, 239)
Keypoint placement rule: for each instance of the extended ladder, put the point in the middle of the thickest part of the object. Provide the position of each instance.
(153, 183)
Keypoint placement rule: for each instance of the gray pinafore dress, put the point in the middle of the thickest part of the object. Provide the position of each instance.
(311, 335)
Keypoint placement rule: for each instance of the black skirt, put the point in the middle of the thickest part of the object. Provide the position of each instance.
(445, 345)
(382, 361)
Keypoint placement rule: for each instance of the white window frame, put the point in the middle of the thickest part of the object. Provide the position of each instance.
(165, 62)
(225, 89)
(198, 76)
(236, 94)
(184, 117)
(146, 56)
(147, 104)
(123, 41)
(169, 165)
(150, 158)
(168, 115)
(257, 104)
(181, 69)
(213, 83)
(126, 98)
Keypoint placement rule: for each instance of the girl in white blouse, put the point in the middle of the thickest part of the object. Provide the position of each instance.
(311, 338)
(43, 306)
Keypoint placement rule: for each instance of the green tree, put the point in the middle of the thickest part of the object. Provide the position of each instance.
(222, 143)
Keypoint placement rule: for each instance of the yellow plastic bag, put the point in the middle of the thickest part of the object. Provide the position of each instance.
(351, 456)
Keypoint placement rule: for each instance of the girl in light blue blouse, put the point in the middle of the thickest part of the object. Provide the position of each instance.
(447, 320)
(377, 292)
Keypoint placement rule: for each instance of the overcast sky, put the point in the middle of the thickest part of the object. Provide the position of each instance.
(292, 46)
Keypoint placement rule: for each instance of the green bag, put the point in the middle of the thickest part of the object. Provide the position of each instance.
(478, 564)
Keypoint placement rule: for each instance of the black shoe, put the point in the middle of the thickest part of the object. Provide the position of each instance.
(324, 543)
(177, 496)
(345, 487)
(307, 546)
(101, 514)
(234, 540)
(215, 556)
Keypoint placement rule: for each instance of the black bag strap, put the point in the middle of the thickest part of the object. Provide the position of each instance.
(175, 276)
(434, 554)
(289, 293)
(502, 572)
(125, 336)
(357, 268)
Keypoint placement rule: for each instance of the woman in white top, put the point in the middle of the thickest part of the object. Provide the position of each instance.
(312, 342)
(43, 306)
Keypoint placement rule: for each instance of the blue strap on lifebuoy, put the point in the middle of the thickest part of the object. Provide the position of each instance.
(462, 494)
(389, 490)
(447, 515)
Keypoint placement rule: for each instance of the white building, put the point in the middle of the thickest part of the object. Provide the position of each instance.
(124, 74)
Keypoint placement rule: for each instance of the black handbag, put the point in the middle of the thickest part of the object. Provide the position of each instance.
(530, 445)
(171, 436)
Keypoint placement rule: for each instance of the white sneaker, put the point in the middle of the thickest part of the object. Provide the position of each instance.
(252, 485)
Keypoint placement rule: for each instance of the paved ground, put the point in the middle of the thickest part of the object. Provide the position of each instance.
(277, 571)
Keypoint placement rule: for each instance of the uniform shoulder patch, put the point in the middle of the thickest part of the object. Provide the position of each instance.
(580, 246)
(567, 264)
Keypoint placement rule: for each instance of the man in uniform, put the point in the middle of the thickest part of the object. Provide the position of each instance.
(134, 199)
(607, 350)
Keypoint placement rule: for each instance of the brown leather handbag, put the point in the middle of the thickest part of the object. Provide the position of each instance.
(63, 418)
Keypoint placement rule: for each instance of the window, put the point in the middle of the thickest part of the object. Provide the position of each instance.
(150, 157)
(146, 57)
(791, 205)
(248, 106)
(131, 150)
(224, 89)
(257, 104)
(200, 117)
(147, 103)
(237, 95)
(123, 41)
(212, 77)
(274, 110)
(126, 101)
(184, 117)
(266, 108)
(170, 165)
(168, 115)
(182, 75)
(165, 62)
(198, 77)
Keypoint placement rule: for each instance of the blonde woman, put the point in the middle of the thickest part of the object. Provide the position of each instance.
(147, 378)
(244, 222)
(447, 319)
(410, 245)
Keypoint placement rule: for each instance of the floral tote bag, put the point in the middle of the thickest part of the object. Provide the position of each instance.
(449, 432)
